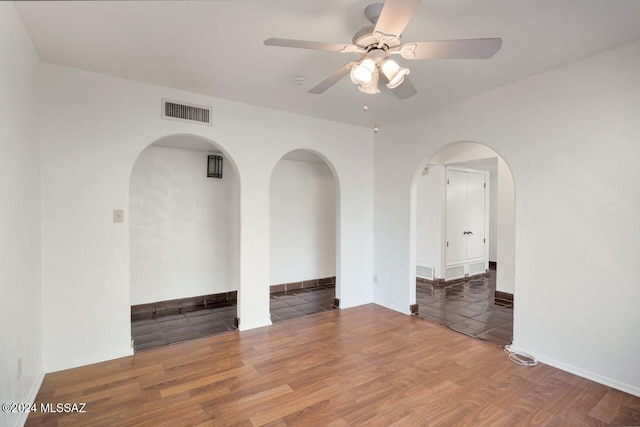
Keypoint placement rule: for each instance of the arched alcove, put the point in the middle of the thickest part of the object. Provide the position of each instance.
(184, 241)
(465, 278)
(304, 196)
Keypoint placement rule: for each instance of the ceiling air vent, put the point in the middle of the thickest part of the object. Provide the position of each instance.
(182, 111)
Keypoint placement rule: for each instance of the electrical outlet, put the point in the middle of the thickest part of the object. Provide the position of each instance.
(19, 373)
(118, 216)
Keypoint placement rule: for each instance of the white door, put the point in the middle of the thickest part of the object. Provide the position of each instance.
(456, 218)
(465, 216)
(475, 215)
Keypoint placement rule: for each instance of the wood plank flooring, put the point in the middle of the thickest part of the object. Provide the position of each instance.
(364, 365)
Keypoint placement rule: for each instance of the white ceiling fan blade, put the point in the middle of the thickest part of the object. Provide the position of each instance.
(393, 19)
(405, 90)
(452, 49)
(332, 79)
(302, 44)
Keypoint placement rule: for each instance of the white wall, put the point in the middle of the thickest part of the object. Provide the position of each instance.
(430, 219)
(20, 273)
(303, 222)
(493, 215)
(93, 129)
(570, 137)
(505, 229)
(182, 226)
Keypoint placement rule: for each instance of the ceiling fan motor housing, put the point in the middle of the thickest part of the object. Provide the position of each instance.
(366, 40)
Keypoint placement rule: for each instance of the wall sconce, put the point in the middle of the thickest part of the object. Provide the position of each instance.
(214, 166)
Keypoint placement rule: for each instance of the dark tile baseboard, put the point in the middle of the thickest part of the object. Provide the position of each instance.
(504, 296)
(306, 284)
(443, 282)
(181, 304)
(429, 281)
(493, 265)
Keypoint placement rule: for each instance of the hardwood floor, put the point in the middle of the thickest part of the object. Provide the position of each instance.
(364, 365)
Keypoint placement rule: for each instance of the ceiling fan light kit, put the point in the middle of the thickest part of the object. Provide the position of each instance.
(373, 45)
(371, 88)
(394, 73)
(362, 74)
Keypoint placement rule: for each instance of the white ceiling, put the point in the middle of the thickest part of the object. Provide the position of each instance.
(215, 47)
(490, 164)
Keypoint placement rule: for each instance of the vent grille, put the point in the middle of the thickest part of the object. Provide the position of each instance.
(185, 112)
(424, 272)
(454, 272)
(477, 268)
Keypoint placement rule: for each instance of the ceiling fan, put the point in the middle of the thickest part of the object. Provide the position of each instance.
(374, 44)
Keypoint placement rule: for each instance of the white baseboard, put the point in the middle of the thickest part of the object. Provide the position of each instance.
(350, 303)
(254, 325)
(55, 367)
(31, 398)
(394, 307)
(609, 382)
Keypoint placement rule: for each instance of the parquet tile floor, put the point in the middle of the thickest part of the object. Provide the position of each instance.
(365, 365)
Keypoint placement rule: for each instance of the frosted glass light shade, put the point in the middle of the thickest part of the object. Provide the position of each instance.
(371, 88)
(362, 74)
(394, 73)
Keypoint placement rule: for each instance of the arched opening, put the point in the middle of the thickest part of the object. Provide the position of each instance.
(303, 236)
(464, 231)
(184, 242)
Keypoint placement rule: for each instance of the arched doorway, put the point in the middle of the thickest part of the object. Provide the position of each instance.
(184, 234)
(464, 241)
(303, 250)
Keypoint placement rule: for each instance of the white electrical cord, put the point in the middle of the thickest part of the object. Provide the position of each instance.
(520, 357)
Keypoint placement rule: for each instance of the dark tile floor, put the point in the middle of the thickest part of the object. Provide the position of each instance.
(150, 332)
(290, 304)
(468, 307)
